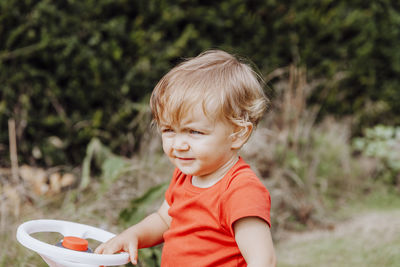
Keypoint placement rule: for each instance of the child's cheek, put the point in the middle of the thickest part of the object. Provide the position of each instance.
(165, 145)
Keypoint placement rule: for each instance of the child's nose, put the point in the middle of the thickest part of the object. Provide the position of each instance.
(180, 143)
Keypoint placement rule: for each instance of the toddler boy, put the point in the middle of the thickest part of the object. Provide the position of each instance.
(216, 212)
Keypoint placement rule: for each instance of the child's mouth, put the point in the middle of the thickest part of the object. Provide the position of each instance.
(184, 159)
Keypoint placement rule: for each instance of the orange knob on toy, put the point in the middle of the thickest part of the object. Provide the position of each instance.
(75, 243)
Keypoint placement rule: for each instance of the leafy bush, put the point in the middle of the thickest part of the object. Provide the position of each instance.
(382, 143)
(74, 70)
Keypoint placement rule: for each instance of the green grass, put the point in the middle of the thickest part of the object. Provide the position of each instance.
(359, 243)
(381, 198)
(345, 251)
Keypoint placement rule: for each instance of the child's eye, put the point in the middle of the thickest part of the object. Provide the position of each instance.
(195, 132)
(166, 130)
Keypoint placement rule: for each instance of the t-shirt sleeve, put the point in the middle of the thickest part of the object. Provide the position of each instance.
(245, 197)
(168, 193)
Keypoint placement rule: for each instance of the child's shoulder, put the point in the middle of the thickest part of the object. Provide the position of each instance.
(241, 169)
(241, 175)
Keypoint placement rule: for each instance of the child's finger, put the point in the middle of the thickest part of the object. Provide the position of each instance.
(99, 249)
(133, 252)
(111, 249)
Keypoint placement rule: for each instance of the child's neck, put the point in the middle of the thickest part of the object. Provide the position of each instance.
(209, 180)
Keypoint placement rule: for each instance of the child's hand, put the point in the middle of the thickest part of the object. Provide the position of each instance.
(147, 233)
(119, 243)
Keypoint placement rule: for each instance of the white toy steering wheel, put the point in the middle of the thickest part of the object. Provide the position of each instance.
(67, 257)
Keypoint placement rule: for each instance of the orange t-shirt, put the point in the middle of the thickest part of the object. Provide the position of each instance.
(201, 231)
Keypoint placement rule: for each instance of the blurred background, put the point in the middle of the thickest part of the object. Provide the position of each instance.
(75, 136)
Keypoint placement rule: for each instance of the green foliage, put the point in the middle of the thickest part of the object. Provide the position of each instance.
(112, 166)
(75, 70)
(382, 143)
(138, 209)
(150, 257)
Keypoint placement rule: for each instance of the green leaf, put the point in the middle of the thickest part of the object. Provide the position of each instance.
(139, 207)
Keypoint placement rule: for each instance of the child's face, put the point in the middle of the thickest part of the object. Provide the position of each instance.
(198, 145)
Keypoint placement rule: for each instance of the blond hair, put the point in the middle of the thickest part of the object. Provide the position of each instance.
(223, 85)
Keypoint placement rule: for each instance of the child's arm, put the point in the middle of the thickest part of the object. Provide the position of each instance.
(254, 240)
(147, 233)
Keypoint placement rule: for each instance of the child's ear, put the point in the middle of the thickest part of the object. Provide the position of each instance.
(241, 135)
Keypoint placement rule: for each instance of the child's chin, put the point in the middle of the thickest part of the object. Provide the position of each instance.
(187, 171)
